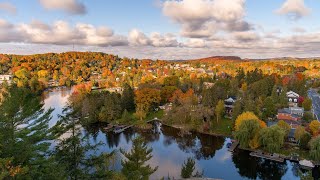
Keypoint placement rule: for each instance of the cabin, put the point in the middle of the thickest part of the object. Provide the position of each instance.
(5, 78)
(293, 98)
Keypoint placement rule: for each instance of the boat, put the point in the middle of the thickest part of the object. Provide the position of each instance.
(305, 164)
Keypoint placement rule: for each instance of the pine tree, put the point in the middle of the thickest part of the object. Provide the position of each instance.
(127, 98)
(187, 168)
(134, 167)
(72, 152)
(24, 135)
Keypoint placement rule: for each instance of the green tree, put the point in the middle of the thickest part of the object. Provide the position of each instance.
(299, 132)
(127, 98)
(24, 134)
(284, 126)
(315, 148)
(272, 138)
(219, 110)
(269, 107)
(187, 168)
(304, 140)
(134, 166)
(237, 110)
(72, 152)
(307, 104)
(247, 132)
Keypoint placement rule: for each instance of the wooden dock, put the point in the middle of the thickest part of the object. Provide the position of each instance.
(273, 157)
(233, 146)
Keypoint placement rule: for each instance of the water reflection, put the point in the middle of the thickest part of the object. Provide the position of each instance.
(171, 149)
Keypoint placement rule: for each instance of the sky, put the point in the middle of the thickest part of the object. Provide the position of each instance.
(162, 29)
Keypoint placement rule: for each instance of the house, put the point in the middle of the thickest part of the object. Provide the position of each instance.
(115, 89)
(208, 85)
(292, 98)
(7, 78)
(291, 114)
(229, 104)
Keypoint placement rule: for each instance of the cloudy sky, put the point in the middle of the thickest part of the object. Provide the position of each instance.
(162, 29)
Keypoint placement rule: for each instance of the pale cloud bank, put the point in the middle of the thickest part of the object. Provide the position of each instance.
(69, 6)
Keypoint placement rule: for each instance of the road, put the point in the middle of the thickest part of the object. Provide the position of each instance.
(315, 97)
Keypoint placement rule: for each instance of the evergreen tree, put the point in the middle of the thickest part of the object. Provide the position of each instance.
(237, 110)
(134, 167)
(24, 135)
(127, 98)
(187, 168)
(269, 109)
(73, 152)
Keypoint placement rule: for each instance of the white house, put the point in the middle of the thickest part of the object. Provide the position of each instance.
(4, 78)
(292, 98)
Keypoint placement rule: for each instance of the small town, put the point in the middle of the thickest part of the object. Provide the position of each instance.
(159, 90)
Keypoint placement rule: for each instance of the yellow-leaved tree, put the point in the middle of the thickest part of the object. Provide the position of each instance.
(314, 127)
(247, 127)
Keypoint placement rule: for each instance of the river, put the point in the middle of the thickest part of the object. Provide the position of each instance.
(170, 150)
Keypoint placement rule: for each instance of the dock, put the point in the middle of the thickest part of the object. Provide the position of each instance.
(273, 157)
(233, 146)
(120, 129)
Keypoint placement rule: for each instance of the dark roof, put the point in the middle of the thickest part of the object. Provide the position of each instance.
(284, 110)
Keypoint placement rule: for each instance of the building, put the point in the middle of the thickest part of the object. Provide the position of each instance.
(7, 78)
(293, 98)
(291, 114)
(208, 85)
(229, 104)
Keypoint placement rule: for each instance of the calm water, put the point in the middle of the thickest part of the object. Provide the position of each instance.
(170, 150)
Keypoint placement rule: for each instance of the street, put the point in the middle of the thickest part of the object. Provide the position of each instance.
(315, 97)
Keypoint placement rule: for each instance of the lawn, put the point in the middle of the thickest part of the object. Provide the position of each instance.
(157, 114)
(223, 127)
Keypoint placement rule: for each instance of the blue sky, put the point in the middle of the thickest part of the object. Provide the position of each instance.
(166, 29)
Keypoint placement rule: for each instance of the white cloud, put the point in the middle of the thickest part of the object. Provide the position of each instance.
(59, 33)
(101, 36)
(69, 6)
(246, 36)
(195, 43)
(8, 7)
(167, 40)
(202, 18)
(294, 9)
(138, 38)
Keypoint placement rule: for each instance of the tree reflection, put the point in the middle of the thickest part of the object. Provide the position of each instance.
(209, 146)
(201, 145)
(253, 168)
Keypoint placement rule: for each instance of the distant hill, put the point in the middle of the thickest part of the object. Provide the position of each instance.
(217, 59)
